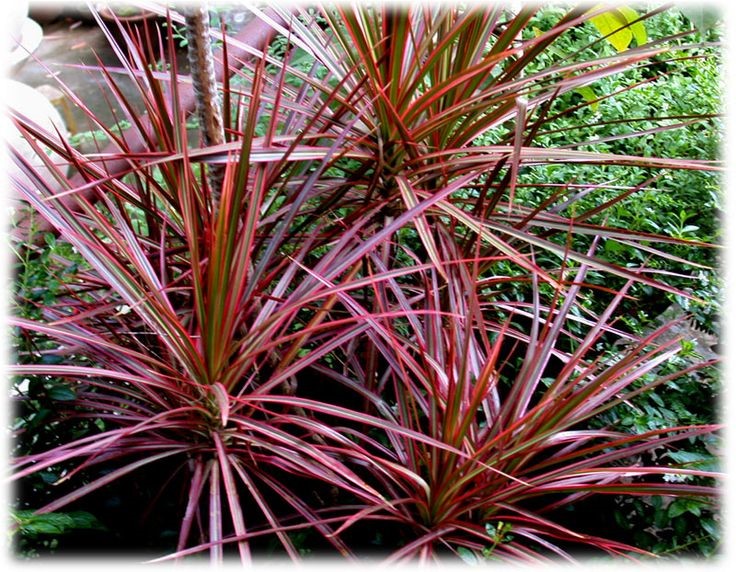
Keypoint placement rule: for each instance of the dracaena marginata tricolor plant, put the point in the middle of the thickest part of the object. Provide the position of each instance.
(362, 326)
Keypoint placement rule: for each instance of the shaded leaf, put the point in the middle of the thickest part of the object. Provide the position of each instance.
(62, 393)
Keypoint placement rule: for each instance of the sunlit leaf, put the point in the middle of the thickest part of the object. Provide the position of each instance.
(620, 26)
(589, 95)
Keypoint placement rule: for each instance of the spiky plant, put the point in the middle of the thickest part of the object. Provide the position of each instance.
(369, 326)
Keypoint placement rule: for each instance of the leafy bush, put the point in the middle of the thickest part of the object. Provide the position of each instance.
(375, 334)
(45, 528)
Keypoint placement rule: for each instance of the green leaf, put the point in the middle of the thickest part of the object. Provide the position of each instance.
(49, 478)
(52, 359)
(621, 520)
(680, 525)
(657, 399)
(607, 23)
(694, 460)
(55, 523)
(467, 555)
(491, 530)
(688, 456)
(681, 506)
(619, 27)
(83, 519)
(693, 509)
(638, 29)
(660, 518)
(62, 393)
(43, 528)
(589, 95)
(710, 526)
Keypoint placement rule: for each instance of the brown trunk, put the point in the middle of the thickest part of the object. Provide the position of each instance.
(204, 81)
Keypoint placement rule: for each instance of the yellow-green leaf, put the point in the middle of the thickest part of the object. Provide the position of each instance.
(613, 22)
(638, 29)
(589, 95)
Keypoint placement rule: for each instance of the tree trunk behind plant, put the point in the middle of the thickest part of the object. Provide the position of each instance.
(204, 81)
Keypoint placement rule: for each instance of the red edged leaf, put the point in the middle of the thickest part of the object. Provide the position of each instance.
(223, 401)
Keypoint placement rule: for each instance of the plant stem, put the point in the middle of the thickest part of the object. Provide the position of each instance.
(202, 69)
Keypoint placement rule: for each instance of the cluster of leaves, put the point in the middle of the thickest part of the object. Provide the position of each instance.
(42, 273)
(45, 529)
(627, 113)
(680, 88)
(370, 334)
